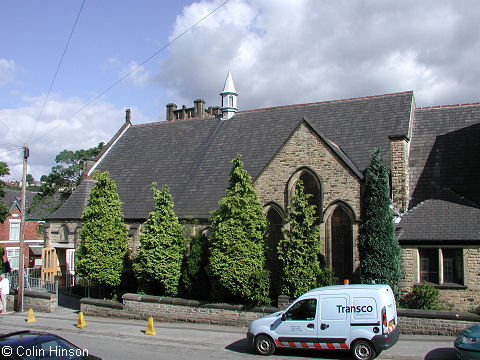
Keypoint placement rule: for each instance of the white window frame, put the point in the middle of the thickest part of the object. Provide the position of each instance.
(14, 224)
(70, 261)
(14, 265)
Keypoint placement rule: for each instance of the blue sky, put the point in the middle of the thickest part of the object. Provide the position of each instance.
(279, 51)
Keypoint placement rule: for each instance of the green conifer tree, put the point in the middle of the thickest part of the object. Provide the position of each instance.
(195, 283)
(4, 208)
(101, 254)
(237, 262)
(378, 247)
(162, 247)
(299, 250)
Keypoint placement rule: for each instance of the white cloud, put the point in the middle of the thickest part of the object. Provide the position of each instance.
(283, 52)
(53, 133)
(7, 71)
(137, 75)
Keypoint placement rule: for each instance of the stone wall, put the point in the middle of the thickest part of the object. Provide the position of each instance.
(35, 300)
(135, 306)
(461, 297)
(165, 309)
(62, 232)
(408, 260)
(399, 148)
(429, 322)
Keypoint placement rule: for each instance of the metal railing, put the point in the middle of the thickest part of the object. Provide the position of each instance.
(74, 284)
(66, 283)
(33, 283)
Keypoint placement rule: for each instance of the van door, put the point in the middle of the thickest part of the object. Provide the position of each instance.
(298, 329)
(334, 322)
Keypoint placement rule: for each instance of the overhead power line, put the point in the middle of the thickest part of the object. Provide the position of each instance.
(14, 149)
(131, 72)
(6, 143)
(56, 72)
(11, 132)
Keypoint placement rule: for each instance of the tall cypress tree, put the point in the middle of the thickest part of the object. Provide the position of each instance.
(378, 247)
(4, 209)
(237, 261)
(162, 247)
(299, 250)
(101, 254)
(195, 283)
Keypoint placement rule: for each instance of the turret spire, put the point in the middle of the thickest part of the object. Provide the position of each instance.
(229, 98)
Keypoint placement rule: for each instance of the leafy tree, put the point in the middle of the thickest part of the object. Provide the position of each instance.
(100, 257)
(195, 283)
(237, 261)
(63, 178)
(162, 247)
(299, 250)
(378, 247)
(4, 209)
(30, 179)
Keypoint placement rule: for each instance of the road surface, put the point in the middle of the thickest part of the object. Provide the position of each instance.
(126, 339)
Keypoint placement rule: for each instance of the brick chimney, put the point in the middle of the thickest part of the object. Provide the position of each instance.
(127, 115)
(170, 111)
(399, 152)
(198, 108)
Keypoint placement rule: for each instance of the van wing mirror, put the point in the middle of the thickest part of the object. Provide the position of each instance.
(284, 316)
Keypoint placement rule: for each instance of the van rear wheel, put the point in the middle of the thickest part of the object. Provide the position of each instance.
(264, 345)
(363, 350)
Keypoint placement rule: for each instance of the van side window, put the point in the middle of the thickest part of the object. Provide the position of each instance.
(302, 310)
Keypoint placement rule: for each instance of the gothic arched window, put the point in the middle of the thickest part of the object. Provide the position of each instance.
(275, 223)
(311, 185)
(342, 244)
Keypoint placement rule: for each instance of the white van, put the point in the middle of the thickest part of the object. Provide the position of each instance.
(360, 318)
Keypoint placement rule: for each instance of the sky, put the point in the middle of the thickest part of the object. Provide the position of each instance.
(279, 52)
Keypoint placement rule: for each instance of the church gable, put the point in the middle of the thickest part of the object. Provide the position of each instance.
(334, 184)
(306, 149)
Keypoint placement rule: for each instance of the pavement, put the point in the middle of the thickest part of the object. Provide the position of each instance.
(409, 347)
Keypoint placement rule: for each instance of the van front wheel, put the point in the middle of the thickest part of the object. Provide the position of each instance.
(363, 350)
(264, 345)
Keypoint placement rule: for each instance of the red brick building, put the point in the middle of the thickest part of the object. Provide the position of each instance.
(10, 233)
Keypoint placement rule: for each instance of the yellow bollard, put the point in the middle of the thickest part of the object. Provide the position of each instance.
(81, 321)
(150, 328)
(31, 317)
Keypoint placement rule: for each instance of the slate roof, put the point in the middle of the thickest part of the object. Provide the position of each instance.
(445, 152)
(450, 220)
(444, 176)
(193, 156)
(73, 207)
(11, 196)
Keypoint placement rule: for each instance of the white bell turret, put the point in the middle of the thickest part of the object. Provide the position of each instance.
(229, 98)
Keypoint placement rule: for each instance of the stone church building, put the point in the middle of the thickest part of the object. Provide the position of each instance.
(433, 155)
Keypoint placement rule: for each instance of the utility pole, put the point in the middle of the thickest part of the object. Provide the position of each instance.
(21, 268)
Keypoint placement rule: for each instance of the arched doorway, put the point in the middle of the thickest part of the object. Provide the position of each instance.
(275, 221)
(342, 244)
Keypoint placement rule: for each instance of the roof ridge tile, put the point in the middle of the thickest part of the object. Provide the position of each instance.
(447, 106)
(328, 101)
